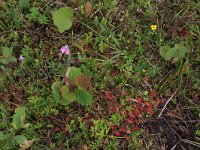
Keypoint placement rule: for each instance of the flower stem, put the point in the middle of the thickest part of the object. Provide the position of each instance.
(68, 65)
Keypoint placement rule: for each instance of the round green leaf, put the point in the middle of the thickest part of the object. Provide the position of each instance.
(20, 139)
(5, 61)
(84, 98)
(6, 51)
(55, 90)
(64, 102)
(2, 136)
(70, 96)
(62, 18)
(167, 53)
(67, 97)
(12, 59)
(64, 89)
(181, 50)
(74, 72)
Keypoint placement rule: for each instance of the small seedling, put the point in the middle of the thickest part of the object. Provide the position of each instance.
(35, 15)
(177, 52)
(7, 56)
(74, 90)
(9, 139)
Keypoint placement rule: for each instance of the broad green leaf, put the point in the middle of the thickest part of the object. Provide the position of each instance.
(7, 56)
(12, 59)
(65, 102)
(9, 59)
(83, 82)
(181, 50)
(55, 87)
(64, 89)
(20, 139)
(2, 136)
(84, 98)
(167, 53)
(74, 72)
(55, 90)
(62, 18)
(6, 51)
(67, 97)
(177, 52)
(5, 61)
(19, 118)
(70, 96)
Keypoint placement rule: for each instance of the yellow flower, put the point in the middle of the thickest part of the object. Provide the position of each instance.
(36, 60)
(154, 27)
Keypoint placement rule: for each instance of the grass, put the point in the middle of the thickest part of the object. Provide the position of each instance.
(130, 79)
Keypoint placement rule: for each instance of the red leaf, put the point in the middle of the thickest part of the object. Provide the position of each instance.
(158, 101)
(149, 110)
(67, 119)
(128, 132)
(66, 80)
(112, 109)
(112, 126)
(123, 112)
(153, 94)
(139, 100)
(117, 133)
(86, 115)
(132, 114)
(88, 9)
(119, 106)
(109, 95)
(135, 106)
(126, 137)
(123, 129)
(141, 109)
(129, 121)
(134, 128)
(137, 112)
(148, 104)
(183, 32)
(138, 121)
(115, 73)
(83, 82)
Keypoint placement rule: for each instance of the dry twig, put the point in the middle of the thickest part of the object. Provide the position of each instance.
(167, 103)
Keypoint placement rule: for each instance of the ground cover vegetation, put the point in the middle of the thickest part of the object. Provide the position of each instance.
(99, 74)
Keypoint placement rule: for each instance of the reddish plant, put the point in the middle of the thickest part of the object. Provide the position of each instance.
(153, 94)
(148, 104)
(123, 112)
(117, 133)
(109, 95)
(133, 118)
(112, 126)
(139, 100)
(123, 129)
(129, 121)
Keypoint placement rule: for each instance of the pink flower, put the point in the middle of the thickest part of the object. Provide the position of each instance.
(65, 50)
(21, 58)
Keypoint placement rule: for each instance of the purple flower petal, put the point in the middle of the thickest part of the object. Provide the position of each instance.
(21, 58)
(65, 50)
